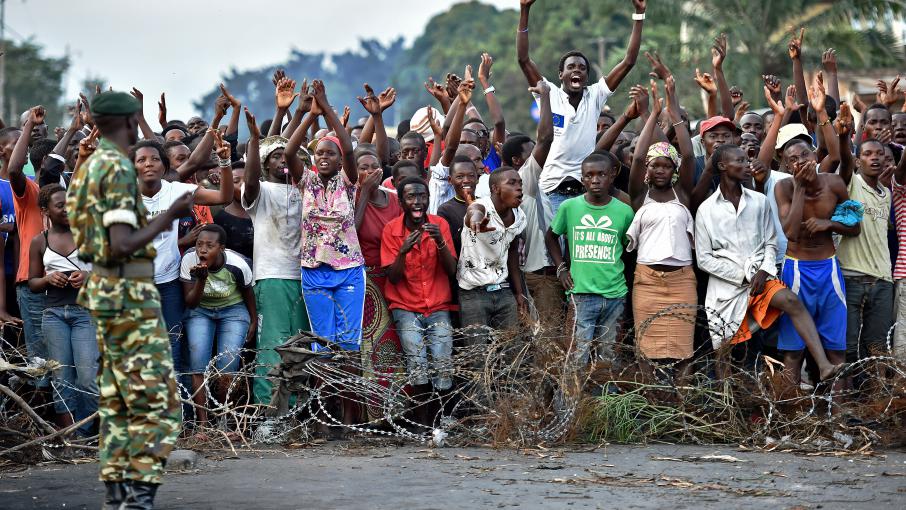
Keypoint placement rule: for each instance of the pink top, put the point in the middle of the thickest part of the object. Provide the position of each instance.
(328, 222)
(899, 208)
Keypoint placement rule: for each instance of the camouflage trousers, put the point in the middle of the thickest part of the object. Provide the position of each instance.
(139, 409)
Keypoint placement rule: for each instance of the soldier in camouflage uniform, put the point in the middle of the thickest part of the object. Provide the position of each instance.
(139, 408)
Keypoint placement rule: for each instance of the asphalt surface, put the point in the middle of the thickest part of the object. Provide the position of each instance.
(386, 476)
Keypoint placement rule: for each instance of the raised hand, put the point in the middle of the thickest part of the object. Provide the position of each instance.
(484, 70)
(232, 99)
(741, 110)
(639, 5)
(221, 105)
(387, 98)
(736, 95)
(656, 103)
(844, 122)
(89, 144)
(829, 60)
(285, 93)
(370, 102)
(137, 94)
(858, 104)
(320, 95)
(795, 46)
(791, 103)
(344, 119)
(773, 104)
(432, 121)
(772, 83)
(36, 115)
(541, 88)
(452, 85)
(436, 89)
(817, 95)
(77, 122)
(526, 3)
(706, 82)
(658, 68)
(279, 74)
(465, 87)
(254, 131)
(221, 147)
(719, 51)
(888, 95)
(639, 104)
(162, 110)
(306, 99)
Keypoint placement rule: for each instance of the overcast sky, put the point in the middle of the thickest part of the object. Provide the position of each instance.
(183, 47)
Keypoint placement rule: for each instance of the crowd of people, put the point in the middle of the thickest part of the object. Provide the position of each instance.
(784, 227)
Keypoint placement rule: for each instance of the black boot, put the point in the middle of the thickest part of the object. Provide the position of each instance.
(116, 494)
(140, 496)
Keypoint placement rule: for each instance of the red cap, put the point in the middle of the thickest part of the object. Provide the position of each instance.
(713, 122)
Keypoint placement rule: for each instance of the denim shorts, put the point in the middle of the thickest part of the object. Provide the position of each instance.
(224, 327)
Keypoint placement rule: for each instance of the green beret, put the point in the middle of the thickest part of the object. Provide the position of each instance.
(114, 103)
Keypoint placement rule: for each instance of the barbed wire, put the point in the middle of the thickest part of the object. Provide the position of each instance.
(522, 388)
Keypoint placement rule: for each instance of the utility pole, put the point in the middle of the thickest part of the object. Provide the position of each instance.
(3, 59)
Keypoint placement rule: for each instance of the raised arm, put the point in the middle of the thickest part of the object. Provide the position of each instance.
(334, 124)
(302, 108)
(795, 50)
(766, 153)
(844, 127)
(437, 90)
(683, 138)
(161, 110)
(708, 85)
(284, 96)
(252, 177)
(484, 76)
(528, 66)
(616, 75)
(638, 168)
(545, 134)
(829, 62)
(74, 126)
(386, 100)
(817, 98)
(147, 132)
(20, 151)
(199, 158)
(224, 195)
(718, 55)
(455, 132)
(638, 107)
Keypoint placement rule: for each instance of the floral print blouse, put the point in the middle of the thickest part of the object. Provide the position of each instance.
(328, 222)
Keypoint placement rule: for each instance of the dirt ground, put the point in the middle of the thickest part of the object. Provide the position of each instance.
(404, 476)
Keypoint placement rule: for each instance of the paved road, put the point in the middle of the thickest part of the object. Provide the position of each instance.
(355, 476)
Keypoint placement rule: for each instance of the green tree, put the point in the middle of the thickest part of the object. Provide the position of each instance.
(33, 79)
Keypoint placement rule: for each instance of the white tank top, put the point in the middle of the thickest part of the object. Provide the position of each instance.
(662, 233)
(54, 261)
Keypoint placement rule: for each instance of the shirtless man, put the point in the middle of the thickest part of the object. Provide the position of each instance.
(806, 205)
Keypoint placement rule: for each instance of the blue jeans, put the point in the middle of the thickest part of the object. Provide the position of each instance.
(335, 302)
(227, 326)
(557, 199)
(420, 333)
(71, 339)
(596, 321)
(173, 308)
(31, 306)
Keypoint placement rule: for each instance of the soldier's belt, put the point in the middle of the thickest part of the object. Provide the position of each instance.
(140, 269)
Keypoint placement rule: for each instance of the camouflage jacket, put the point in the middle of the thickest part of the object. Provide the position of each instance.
(103, 192)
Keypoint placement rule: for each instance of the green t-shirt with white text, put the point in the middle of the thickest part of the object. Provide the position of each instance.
(596, 235)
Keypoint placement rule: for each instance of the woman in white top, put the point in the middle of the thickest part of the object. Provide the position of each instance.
(664, 299)
(151, 163)
(55, 269)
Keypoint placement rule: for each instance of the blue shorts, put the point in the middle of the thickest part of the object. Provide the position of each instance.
(819, 285)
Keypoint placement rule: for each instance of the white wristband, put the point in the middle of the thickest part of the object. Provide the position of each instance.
(489, 90)
(636, 16)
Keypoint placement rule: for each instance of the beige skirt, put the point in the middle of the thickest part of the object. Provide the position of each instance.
(664, 305)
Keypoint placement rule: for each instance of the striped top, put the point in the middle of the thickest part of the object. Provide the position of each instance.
(899, 208)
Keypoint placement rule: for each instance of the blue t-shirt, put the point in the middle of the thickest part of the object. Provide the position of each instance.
(8, 211)
(492, 161)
